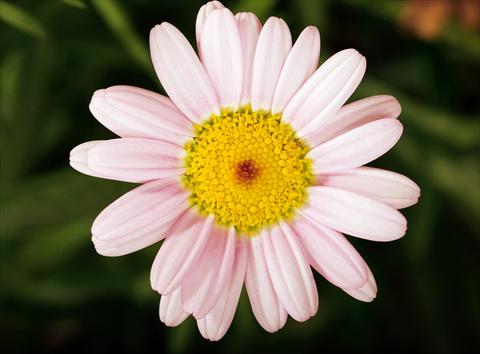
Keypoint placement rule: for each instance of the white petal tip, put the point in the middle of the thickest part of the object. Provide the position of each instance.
(212, 338)
(273, 329)
(313, 30)
(105, 251)
(79, 153)
(78, 158)
(97, 95)
(366, 293)
(243, 15)
(395, 107)
(273, 18)
(350, 51)
(82, 168)
(157, 28)
(154, 30)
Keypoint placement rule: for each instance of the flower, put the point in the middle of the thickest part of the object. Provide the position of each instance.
(251, 171)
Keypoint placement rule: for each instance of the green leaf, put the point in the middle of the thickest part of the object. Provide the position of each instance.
(460, 179)
(119, 23)
(422, 223)
(260, 8)
(54, 198)
(454, 176)
(49, 249)
(450, 128)
(181, 337)
(10, 69)
(10, 88)
(79, 4)
(21, 20)
(314, 13)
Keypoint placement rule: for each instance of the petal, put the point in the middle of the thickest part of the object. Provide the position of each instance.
(182, 75)
(290, 272)
(180, 252)
(356, 147)
(202, 15)
(79, 158)
(135, 159)
(249, 27)
(222, 56)
(354, 214)
(273, 46)
(325, 92)
(132, 112)
(354, 115)
(387, 187)
(139, 218)
(216, 323)
(299, 66)
(204, 284)
(331, 254)
(367, 292)
(265, 304)
(171, 311)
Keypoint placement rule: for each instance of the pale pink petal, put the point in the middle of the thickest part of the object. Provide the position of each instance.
(249, 27)
(202, 15)
(290, 272)
(356, 147)
(331, 254)
(182, 75)
(132, 112)
(387, 187)
(139, 218)
(135, 159)
(79, 158)
(354, 214)
(216, 323)
(171, 311)
(299, 66)
(266, 307)
(204, 284)
(367, 292)
(222, 56)
(273, 46)
(180, 252)
(325, 92)
(354, 115)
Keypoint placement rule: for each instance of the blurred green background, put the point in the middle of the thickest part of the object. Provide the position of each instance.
(58, 296)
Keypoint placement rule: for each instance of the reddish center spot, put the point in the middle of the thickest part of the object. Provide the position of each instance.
(246, 171)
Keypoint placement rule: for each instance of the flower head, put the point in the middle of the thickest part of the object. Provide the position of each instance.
(251, 171)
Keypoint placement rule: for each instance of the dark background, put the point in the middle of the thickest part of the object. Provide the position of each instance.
(58, 296)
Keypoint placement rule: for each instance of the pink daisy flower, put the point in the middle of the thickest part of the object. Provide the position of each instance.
(252, 171)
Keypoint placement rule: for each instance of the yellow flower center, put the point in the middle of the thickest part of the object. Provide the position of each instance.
(248, 169)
